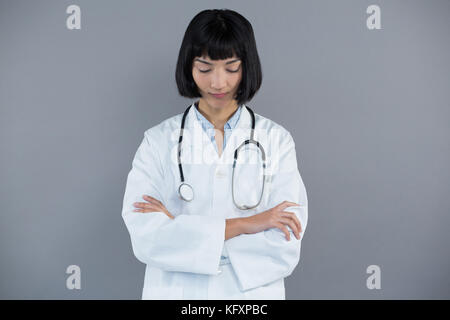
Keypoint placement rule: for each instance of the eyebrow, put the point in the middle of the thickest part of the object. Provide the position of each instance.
(203, 61)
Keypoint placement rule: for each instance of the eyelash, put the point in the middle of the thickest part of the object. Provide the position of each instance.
(206, 71)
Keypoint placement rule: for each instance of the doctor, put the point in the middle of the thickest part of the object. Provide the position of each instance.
(206, 225)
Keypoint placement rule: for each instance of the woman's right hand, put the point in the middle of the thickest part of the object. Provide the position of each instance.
(275, 217)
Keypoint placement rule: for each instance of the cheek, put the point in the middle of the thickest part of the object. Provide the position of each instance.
(237, 79)
(199, 79)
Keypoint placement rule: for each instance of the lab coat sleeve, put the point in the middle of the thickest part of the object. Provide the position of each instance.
(188, 243)
(267, 256)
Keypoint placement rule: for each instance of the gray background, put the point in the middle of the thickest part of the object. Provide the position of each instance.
(368, 110)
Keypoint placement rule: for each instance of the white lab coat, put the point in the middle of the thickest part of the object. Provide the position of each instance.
(188, 257)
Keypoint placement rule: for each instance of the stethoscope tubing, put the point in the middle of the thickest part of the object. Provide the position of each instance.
(236, 152)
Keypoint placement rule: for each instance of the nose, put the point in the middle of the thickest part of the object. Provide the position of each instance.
(218, 80)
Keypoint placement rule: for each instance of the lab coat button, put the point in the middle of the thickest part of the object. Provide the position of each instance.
(219, 271)
(220, 173)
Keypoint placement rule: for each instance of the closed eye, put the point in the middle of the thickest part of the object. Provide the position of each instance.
(206, 71)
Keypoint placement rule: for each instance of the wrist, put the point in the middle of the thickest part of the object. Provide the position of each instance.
(244, 224)
(234, 227)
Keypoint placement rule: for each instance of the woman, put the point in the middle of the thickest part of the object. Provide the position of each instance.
(185, 216)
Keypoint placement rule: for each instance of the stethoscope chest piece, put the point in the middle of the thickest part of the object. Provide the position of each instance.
(186, 192)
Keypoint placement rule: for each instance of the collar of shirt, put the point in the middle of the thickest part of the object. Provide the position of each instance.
(207, 126)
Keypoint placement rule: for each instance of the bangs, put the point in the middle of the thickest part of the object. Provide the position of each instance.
(216, 41)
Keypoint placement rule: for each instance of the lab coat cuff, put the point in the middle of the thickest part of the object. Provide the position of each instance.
(252, 261)
(209, 259)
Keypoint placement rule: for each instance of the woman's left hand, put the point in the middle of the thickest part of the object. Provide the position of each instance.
(153, 205)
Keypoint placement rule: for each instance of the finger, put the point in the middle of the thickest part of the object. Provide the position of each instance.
(145, 210)
(147, 206)
(155, 202)
(139, 204)
(289, 222)
(169, 215)
(285, 231)
(143, 204)
(293, 216)
(286, 204)
(148, 198)
(297, 230)
(153, 209)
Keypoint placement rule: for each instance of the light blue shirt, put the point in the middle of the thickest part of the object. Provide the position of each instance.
(208, 127)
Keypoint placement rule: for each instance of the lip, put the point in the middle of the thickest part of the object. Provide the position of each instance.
(221, 95)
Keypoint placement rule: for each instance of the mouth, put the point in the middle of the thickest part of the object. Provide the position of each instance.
(219, 95)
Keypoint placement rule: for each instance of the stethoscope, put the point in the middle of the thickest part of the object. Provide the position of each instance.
(185, 190)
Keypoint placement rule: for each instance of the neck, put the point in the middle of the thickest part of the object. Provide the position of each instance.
(218, 116)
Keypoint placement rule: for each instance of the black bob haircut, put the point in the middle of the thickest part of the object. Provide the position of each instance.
(219, 33)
